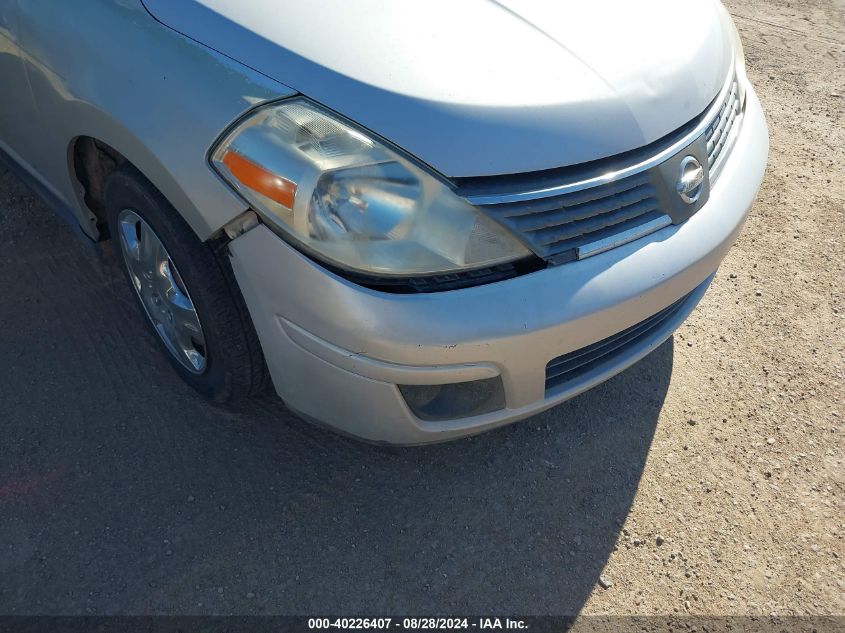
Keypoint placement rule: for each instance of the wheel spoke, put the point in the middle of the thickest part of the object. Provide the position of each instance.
(129, 237)
(150, 248)
(170, 288)
(130, 245)
(189, 343)
(185, 319)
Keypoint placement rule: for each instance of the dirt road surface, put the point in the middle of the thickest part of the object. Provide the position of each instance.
(708, 479)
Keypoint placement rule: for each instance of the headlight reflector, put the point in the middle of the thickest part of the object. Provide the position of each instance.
(352, 201)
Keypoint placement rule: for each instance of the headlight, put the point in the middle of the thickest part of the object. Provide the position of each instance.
(351, 200)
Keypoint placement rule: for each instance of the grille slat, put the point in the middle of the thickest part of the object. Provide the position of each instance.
(578, 198)
(595, 222)
(563, 223)
(586, 210)
(569, 366)
(573, 244)
(719, 131)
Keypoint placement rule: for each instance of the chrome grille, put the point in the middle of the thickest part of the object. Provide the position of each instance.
(719, 131)
(575, 212)
(560, 225)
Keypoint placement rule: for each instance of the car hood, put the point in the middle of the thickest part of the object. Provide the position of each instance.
(482, 87)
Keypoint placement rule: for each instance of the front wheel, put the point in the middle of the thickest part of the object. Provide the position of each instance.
(186, 290)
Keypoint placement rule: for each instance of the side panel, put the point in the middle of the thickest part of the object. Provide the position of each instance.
(107, 69)
(16, 102)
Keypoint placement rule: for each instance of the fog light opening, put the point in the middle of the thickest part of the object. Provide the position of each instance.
(436, 403)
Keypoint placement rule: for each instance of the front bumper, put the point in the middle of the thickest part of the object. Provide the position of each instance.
(337, 351)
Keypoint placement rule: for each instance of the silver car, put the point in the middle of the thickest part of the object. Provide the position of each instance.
(419, 219)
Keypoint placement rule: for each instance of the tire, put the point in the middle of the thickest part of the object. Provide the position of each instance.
(223, 361)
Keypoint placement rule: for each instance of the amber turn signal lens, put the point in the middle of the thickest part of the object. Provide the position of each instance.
(258, 179)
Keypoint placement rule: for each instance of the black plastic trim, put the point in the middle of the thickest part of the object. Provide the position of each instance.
(441, 282)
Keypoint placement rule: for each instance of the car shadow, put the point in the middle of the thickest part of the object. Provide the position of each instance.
(124, 492)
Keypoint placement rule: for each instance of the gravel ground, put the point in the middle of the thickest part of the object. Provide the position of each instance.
(707, 479)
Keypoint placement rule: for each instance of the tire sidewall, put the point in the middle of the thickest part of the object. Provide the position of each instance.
(190, 257)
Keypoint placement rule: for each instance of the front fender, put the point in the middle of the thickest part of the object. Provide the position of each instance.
(110, 71)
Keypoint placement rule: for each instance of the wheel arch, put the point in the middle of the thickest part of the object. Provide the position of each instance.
(101, 143)
(105, 145)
